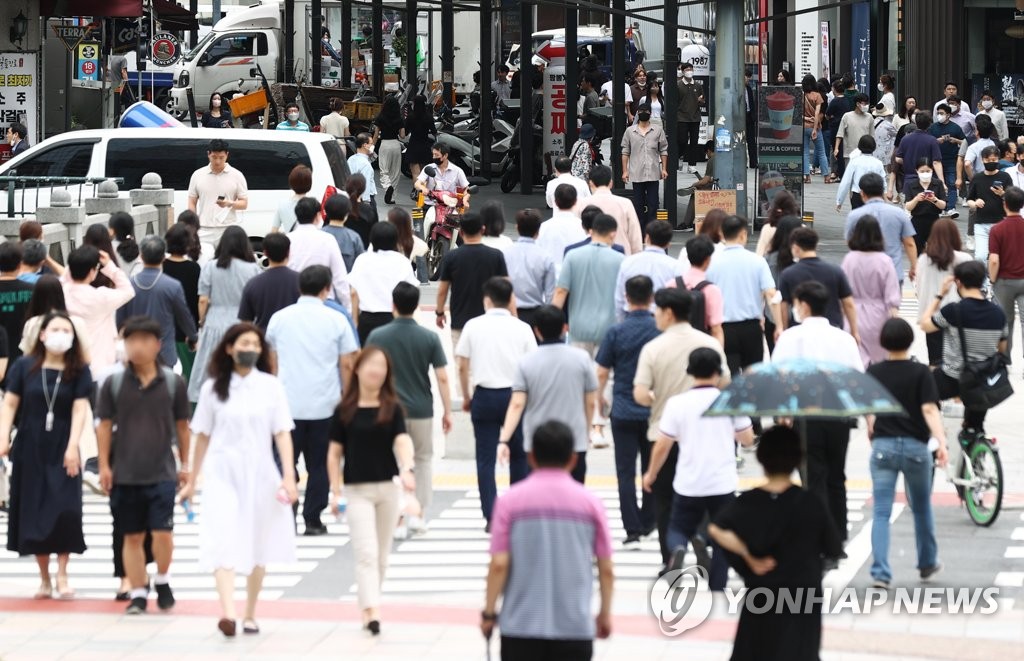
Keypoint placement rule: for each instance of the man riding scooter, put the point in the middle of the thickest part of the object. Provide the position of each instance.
(444, 187)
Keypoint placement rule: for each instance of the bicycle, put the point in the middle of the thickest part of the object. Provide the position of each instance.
(977, 475)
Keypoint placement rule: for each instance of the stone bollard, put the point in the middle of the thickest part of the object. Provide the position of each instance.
(154, 193)
(63, 212)
(107, 200)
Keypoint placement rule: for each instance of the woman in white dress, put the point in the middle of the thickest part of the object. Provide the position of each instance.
(247, 519)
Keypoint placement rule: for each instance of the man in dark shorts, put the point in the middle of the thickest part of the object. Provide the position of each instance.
(148, 405)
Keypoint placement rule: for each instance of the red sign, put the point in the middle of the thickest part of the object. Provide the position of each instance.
(550, 50)
(89, 68)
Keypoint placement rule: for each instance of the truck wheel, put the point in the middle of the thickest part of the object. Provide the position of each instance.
(166, 103)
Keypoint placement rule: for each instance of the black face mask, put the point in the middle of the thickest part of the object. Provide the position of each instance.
(991, 167)
(644, 116)
(437, 161)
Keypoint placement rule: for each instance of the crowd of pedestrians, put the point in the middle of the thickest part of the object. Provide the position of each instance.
(583, 323)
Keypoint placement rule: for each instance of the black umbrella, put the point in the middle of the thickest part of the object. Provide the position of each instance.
(804, 389)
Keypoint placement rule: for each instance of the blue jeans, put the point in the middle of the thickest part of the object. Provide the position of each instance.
(949, 177)
(687, 513)
(487, 411)
(889, 457)
(820, 155)
(630, 438)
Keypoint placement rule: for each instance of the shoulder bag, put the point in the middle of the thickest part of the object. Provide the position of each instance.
(983, 383)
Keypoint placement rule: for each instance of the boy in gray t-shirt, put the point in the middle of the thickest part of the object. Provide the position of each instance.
(556, 382)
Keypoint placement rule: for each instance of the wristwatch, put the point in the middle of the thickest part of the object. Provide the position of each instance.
(439, 313)
(488, 617)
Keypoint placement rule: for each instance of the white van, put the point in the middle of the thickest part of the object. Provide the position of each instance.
(264, 157)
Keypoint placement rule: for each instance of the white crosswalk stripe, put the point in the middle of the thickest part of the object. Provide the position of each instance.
(452, 556)
(91, 574)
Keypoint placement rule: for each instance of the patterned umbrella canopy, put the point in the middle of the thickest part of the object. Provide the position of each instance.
(804, 389)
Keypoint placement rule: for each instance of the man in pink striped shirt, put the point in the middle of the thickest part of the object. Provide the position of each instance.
(97, 305)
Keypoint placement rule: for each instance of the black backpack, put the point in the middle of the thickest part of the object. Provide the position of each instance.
(698, 309)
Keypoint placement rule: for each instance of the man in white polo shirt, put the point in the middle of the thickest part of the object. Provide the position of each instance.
(216, 192)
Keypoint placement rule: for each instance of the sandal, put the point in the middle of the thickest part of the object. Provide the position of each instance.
(63, 590)
(250, 626)
(807, 178)
(45, 591)
(227, 627)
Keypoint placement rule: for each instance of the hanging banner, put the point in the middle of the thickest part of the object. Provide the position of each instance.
(1007, 92)
(807, 41)
(860, 46)
(555, 99)
(780, 145)
(19, 93)
(826, 51)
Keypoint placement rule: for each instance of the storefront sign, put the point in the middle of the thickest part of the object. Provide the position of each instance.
(70, 35)
(780, 145)
(87, 61)
(807, 41)
(826, 52)
(19, 92)
(166, 49)
(1007, 90)
(860, 46)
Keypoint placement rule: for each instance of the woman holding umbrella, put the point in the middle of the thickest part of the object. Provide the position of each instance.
(776, 537)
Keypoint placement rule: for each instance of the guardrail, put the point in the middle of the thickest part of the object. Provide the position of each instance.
(12, 180)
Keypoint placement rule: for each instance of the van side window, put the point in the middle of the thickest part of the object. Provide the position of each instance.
(266, 165)
(235, 45)
(173, 160)
(63, 160)
(336, 159)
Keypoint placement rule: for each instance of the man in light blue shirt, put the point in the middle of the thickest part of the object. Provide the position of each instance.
(530, 268)
(359, 163)
(747, 286)
(653, 262)
(589, 274)
(314, 349)
(865, 163)
(292, 122)
(897, 230)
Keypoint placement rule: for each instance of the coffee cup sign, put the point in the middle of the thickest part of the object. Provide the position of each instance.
(780, 113)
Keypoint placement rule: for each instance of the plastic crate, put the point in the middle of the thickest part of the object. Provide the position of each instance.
(248, 104)
(368, 110)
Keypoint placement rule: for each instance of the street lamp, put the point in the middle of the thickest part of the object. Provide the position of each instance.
(19, 28)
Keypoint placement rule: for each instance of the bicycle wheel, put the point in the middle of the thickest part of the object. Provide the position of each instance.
(984, 495)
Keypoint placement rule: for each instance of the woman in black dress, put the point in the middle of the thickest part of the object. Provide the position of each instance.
(777, 537)
(50, 390)
(422, 133)
(926, 199)
(363, 215)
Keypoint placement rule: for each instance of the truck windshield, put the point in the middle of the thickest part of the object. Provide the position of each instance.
(194, 53)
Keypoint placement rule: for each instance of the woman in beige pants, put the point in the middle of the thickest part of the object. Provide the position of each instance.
(368, 432)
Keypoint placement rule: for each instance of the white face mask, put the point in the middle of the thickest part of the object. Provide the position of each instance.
(58, 341)
(863, 107)
(881, 87)
(925, 177)
(369, 149)
(987, 105)
(688, 75)
(954, 109)
(293, 117)
(942, 117)
(798, 317)
(216, 103)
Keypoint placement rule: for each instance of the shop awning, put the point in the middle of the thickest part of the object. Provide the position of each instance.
(171, 15)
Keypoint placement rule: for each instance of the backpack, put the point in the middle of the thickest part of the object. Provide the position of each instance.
(698, 309)
(117, 381)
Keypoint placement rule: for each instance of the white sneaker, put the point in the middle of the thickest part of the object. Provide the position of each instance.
(401, 532)
(92, 483)
(969, 244)
(417, 526)
(598, 440)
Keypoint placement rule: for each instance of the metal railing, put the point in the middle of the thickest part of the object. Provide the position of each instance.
(13, 180)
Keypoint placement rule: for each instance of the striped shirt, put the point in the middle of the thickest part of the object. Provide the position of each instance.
(552, 528)
(984, 325)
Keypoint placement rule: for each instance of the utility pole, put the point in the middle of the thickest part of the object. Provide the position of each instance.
(670, 90)
(728, 119)
(618, 83)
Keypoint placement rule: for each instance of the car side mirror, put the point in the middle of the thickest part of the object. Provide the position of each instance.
(204, 60)
(254, 72)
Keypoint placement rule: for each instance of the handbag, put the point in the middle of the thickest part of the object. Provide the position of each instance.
(983, 383)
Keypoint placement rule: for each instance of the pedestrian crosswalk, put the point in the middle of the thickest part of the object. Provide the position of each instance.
(91, 574)
(452, 556)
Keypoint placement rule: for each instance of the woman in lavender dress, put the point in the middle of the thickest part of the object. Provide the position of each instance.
(876, 289)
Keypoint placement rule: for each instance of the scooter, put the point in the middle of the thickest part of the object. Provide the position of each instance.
(441, 224)
(509, 165)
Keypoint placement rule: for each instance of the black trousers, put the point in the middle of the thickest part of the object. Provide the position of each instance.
(688, 140)
(645, 201)
(950, 387)
(526, 315)
(827, 442)
(309, 439)
(856, 201)
(663, 496)
(744, 344)
(934, 344)
(370, 321)
(751, 142)
(579, 472)
(543, 649)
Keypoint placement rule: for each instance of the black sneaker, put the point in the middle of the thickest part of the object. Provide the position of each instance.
(632, 542)
(314, 530)
(700, 549)
(164, 596)
(137, 606)
(678, 559)
(928, 572)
